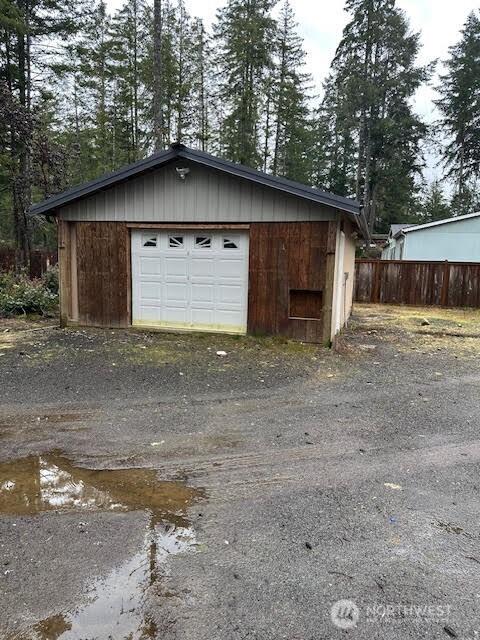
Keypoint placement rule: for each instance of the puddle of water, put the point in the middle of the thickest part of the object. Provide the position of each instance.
(115, 604)
(51, 482)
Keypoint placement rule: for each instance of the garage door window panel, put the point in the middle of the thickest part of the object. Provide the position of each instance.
(149, 241)
(228, 243)
(203, 242)
(176, 242)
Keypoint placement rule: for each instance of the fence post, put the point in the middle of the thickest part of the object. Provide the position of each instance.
(445, 284)
(376, 283)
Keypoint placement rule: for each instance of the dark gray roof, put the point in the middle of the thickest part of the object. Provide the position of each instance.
(200, 157)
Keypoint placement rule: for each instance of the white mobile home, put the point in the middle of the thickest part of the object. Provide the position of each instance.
(454, 239)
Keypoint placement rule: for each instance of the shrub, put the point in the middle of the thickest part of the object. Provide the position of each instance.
(50, 279)
(20, 295)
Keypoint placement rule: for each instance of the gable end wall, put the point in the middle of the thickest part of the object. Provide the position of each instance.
(205, 196)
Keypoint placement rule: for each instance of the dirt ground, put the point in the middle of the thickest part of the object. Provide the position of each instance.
(151, 488)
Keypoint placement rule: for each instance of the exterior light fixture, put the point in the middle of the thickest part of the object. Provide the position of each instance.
(182, 172)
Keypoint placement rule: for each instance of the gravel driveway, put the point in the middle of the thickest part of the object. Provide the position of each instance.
(150, 488)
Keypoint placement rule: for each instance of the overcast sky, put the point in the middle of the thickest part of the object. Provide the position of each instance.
(321, 23)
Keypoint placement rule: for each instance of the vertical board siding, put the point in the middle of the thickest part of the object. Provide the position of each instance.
(448, 284)
(206, 195)
(103, 274)
(285, 256)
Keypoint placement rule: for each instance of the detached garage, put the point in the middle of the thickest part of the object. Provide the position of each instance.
(186, 241)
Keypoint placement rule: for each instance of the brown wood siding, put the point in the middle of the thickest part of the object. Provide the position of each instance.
(449, 284)
(284, 257)
(103, 257)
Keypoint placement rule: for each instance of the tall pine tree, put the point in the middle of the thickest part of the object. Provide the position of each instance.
(369, 100)
(434, 205)
(176, 74)
(244, 38)
(128, 35)
(291, 131)
(459, 106)
(27, 53)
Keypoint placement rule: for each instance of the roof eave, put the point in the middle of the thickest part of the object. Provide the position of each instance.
(94, 186)
(275, 182)
(437, 223)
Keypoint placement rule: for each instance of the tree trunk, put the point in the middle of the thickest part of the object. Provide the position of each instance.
(364, 123)
(278, 127)
(180, 78)
(135, 82)
(267, 129)
(203, 105)
(22, 180)
(157, 76)
(461, 167)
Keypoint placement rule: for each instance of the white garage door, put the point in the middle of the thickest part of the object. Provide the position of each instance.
(190, 279)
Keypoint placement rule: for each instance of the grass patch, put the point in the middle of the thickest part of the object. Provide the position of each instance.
(163, 348)
(456, 330)
(461, 321)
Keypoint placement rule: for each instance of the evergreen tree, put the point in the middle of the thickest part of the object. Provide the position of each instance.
(157, 75)
(184, 77)
(467, 200)
(83, 92)
(459, 106)
(291, 131)
(435, 205)
(201, 89)
(26, 55)
(128, 37)
(94, 54)
(176, 76)
(244, 37)
(334, 149)
(374, 76)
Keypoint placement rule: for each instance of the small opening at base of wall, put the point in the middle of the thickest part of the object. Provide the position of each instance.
(306, 304)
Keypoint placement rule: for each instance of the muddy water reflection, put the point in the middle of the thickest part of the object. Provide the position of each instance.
(115, 605)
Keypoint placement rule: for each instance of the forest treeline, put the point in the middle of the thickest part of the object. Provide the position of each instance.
(84, 91)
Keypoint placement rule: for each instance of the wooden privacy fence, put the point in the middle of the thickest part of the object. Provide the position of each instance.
(39, 260)
(448, 284)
